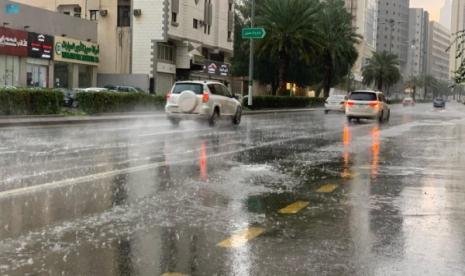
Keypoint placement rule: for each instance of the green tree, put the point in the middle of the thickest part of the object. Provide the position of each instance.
(413, 83)
(338, 37)
(291, 27)
(382, 70)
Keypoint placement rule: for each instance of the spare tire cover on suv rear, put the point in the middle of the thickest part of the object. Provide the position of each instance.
(187, 101)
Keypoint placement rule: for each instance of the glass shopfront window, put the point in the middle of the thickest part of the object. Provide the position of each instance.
(37, 75)
(9, 70)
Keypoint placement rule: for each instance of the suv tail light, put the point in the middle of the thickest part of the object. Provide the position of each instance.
(374, 105)
(205, 97)
(168, 96)
(350, 103)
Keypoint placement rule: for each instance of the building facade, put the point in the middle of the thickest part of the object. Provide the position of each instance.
(438, 57)
(457, 24)
(364, 20)
(393, 29)
(40, 48)
(418, 42)
(157, 41)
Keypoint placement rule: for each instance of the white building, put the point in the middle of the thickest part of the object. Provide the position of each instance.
(457, 24)
(417, 42)
(150, 44)
(438, 58)
(365, 19)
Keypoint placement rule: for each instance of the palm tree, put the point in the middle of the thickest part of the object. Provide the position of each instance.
(291, 29)
(339, 39)
(382, 70)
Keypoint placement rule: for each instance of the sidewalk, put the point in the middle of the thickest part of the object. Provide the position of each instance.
(11, 121)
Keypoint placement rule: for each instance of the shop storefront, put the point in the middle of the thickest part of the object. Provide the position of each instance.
(39, 65)
(13, 47)
(75, 63)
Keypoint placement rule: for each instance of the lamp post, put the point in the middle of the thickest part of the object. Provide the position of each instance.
(251, 56)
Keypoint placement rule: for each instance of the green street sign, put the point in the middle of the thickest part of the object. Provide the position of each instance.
(253, 33)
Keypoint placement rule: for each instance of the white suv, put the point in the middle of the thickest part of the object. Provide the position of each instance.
(366, 104)
(202, 100)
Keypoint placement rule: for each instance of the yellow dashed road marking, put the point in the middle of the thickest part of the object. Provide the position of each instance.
(328, 188)
(294, 208)
(241, 238)
(349, 175)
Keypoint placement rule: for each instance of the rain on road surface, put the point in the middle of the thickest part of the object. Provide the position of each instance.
(284, 194)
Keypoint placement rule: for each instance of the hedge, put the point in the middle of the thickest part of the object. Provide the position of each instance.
(107, 102)
(263, 102)
(30, 101)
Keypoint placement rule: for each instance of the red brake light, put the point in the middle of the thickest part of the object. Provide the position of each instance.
(374, 105)
(350, 103)
(205, 97)
(168, 96)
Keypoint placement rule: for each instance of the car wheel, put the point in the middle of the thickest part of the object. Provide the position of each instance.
(214, 118)
(326, 111)
(380, 118)
(388, 117)
(349, 119)
(238, 116)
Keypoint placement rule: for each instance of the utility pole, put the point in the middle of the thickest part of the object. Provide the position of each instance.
(251, 57)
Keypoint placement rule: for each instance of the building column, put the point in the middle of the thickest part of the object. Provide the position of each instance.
(93, 76)
(22, 81)
(51, 75)
(73, 76)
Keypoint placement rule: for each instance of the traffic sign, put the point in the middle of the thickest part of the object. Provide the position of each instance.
(253, 33)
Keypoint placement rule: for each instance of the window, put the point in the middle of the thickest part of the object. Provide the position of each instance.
(93, 15)
(229, 35)
(165, 52)
(67, 13)
(174, 17)
(213, 89)
(195, 87)
(195, 24)
(124, 19)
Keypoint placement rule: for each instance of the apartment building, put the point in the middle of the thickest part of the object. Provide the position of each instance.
(393, 29)
(418, 42)
(457, 24)
(438, 57)
(364, 20)
(151, 44)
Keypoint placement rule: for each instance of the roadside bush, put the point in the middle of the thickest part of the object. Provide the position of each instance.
(108, 102)
(30, 101)
(264, 102)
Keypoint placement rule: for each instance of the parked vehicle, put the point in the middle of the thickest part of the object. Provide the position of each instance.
(439, 103)
(206, 100)
(408, 101)
(94, 89)
(124, 89)
(367, 104)
(335, 103)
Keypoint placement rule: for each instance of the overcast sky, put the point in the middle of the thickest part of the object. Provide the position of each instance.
(433, 6)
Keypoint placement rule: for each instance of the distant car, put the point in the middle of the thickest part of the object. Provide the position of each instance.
(124, 89)
(7, 87)
(367, 104)
(207, 100)
(439, 103)
(335, 103)
(94, 89)
(408, 102)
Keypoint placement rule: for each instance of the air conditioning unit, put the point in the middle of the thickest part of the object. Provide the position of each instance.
(103, 12)
(137, 12)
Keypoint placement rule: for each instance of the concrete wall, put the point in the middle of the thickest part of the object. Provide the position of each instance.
(438, 58)
(137, 80)
(47, 22)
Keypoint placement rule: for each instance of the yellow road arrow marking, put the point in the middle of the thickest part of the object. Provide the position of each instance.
(328, 188)
(241, 238)
(294, 208)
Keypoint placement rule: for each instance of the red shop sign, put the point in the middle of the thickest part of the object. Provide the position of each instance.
(13, 42)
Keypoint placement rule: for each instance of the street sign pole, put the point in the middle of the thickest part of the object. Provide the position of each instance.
(251, 57)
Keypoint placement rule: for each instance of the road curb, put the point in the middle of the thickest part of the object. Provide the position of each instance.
(61, 120)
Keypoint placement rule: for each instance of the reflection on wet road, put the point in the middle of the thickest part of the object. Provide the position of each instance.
(284, 194)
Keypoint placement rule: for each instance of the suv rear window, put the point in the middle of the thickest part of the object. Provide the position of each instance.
(180, 87)
(363, 96)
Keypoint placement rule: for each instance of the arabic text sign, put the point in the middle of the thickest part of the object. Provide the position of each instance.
(40, 46)
(13, 42)
(76, 51)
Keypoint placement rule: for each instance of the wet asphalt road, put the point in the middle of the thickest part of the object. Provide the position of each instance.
(285, 194)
